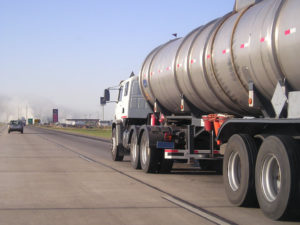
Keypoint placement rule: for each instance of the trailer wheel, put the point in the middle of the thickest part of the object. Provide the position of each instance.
(148, 155)
(116, 151)
(277, 177)
(135, 151)
(239, 170)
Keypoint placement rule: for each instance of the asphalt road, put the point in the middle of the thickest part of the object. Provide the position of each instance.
(51, 178)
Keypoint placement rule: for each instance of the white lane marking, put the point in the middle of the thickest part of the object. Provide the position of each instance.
(196, 211)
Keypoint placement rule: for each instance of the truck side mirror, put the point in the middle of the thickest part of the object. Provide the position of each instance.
(102, 101)
(106, 95)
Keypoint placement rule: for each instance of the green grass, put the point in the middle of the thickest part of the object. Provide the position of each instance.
(96, 132)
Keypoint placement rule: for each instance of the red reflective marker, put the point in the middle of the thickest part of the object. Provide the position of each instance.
(290, 31)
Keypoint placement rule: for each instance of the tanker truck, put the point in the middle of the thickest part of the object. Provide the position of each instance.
(226, 95)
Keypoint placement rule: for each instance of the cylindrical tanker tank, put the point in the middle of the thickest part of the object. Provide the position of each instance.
(212, 66)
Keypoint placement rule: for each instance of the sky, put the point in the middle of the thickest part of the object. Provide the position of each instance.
(64, 53)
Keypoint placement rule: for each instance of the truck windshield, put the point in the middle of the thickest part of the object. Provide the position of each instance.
(126, 89)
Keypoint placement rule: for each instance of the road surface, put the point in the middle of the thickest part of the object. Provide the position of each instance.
(48, 177)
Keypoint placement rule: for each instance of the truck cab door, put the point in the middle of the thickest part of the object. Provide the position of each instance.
(119, 105)
(122, 107)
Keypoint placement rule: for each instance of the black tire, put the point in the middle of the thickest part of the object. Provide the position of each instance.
(148, 155)
(135, 151)
(239, 170)
(277, 177)
(117, 152)
(165, 165)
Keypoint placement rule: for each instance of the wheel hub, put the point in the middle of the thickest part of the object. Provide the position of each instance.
(113, 144)
(271, 177)
(134, 149)
(234, 171)
(144, 151)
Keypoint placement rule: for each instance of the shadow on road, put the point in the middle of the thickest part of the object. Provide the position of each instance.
(193, 172)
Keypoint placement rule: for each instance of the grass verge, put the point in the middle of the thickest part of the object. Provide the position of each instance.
(95, 132)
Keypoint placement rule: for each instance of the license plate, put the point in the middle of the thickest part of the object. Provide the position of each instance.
(162, 144)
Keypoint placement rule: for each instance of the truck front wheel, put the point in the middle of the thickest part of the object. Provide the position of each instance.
(148, 155)
(239, 170)
(277, 177)
(116, 151)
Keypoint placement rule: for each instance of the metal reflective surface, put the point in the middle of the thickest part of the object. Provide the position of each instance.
(234, 171)
(212, 66)
(134, 147)
(271, 178)
(144, 149)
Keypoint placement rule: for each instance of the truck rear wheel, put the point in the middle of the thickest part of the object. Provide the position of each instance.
(165, 165)
(277, 177)
(239, 170)
(148, 155)
(117, 152)
(135, 151)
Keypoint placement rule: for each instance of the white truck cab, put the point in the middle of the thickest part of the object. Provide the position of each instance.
(131, 103)
(131, 112)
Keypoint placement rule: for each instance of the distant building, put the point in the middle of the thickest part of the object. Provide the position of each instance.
(82, 122)
(105, 123)
(88, 122)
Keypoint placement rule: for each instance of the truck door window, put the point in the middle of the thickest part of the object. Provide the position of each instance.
(126, 89)
(135, 88)
(120, 94)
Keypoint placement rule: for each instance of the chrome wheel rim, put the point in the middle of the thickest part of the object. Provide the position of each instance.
(113, 149)
(144, 150)
(134, 148)
(234, 171)
(271, 177)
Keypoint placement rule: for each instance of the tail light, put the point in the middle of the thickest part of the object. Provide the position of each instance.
(167, 137)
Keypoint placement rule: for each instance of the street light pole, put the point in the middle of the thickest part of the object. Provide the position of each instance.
(26, 113)
(103, 112)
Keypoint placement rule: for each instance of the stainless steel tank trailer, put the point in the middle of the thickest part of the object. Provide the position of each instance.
(229, 92)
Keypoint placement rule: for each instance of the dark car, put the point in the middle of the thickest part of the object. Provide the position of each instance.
(15, 125)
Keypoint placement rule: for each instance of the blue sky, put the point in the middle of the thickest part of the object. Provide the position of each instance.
(66, 52)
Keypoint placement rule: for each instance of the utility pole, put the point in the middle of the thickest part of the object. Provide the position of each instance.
(103, 112)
